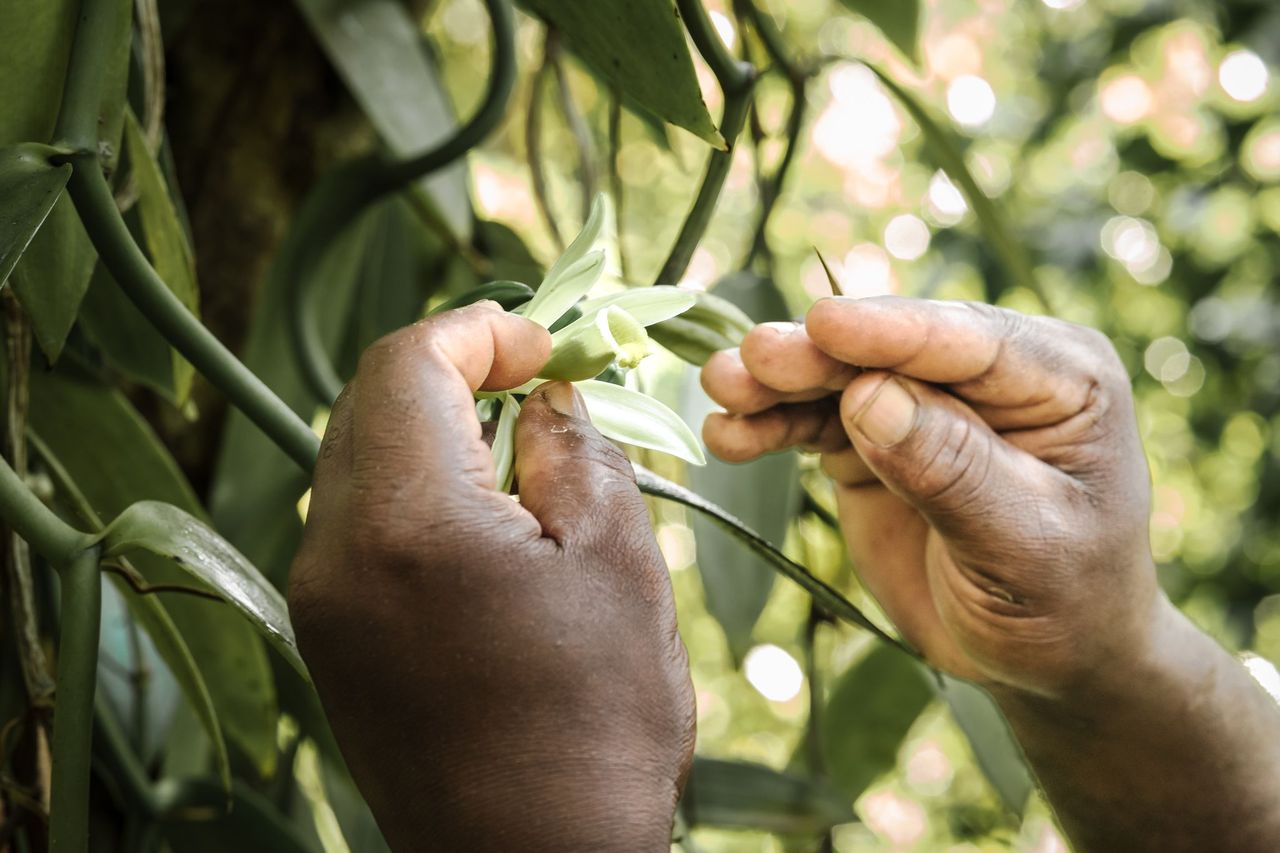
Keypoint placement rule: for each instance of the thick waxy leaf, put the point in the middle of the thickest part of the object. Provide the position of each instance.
(751, 796)
(764, 493)
(871, 709)
(164, 237)
(255, 486)
(30, 186)
(377, 48)
(111, 453)
(946, 152)
(508, 294)
(33, 66)
(899, 20)
(151, 615)
(998, 754)
(54, 272)
(639, 46)
(195, 819)
(634, 418)
(166, 530)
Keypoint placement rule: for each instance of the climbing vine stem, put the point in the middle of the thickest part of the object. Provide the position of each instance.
(81, 612)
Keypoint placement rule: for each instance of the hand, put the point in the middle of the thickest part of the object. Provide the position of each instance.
(991, 483)
(500, 675)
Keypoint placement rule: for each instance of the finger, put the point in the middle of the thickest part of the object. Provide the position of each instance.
(1019, 371)
(728, 382)
(846, 468)
(983, 495)
(414, 428)
(887, 539)
(331, 480)
(580, 487)
(781, 356)
(809, 426)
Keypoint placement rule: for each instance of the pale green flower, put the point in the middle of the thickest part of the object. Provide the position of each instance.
(609, 332)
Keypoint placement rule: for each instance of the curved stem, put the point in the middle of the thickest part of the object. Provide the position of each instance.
(101, 26)
(73, 714)
(489, 114)
(578, 127)
(365, 181)
(824, 596)
(533, 150)
(616, 182)
(129, 267)
(695, 225)
(736, 81)
(733, 75)
(51, 537)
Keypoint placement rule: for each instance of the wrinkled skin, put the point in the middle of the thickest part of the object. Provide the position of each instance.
(991, 483)
(500, 675)
(994, 495)
(507, 676)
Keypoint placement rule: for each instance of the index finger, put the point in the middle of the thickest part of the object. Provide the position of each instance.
(413, 418)
(1017, 370)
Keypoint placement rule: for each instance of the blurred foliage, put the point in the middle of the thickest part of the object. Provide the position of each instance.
(1131, 152)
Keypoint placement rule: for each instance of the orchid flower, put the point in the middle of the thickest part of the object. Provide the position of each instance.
(610, 332)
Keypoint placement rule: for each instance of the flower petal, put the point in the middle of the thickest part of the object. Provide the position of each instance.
(634, 418)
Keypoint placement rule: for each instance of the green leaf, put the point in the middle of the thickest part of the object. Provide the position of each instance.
(33, 66)
(126, 339)
(398, 268)
(510, 257)
(29, 185)
(378, 50)
(195, 819)
(165, 239)
(945, 150)
(508, 294)
(639, 46)
(869, 713)
(638, 419)
(150, 613)
(765, 494)
(111, 453)
(54, 272)
(899, 20)
(255, 486)
(504, 443)
(741, 795)
(166, 530)
(994, 747)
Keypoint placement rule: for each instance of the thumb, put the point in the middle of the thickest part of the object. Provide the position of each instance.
(985, 496)
(579, 486)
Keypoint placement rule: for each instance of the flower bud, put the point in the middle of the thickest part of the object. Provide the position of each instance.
(613, 336)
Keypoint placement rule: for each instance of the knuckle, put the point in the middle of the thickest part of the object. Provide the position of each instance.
(958, 469)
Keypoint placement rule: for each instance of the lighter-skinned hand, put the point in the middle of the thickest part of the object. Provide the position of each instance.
(991, 483)
(500, 675)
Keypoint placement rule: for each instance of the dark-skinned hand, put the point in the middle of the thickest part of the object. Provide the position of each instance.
(500, 675)
(994, 495)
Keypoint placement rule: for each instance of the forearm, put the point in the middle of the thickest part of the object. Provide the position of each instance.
(1179, 750)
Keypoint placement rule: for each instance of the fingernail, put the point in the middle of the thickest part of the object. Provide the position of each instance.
(565, 399)
(783, 327)
(888, 416)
